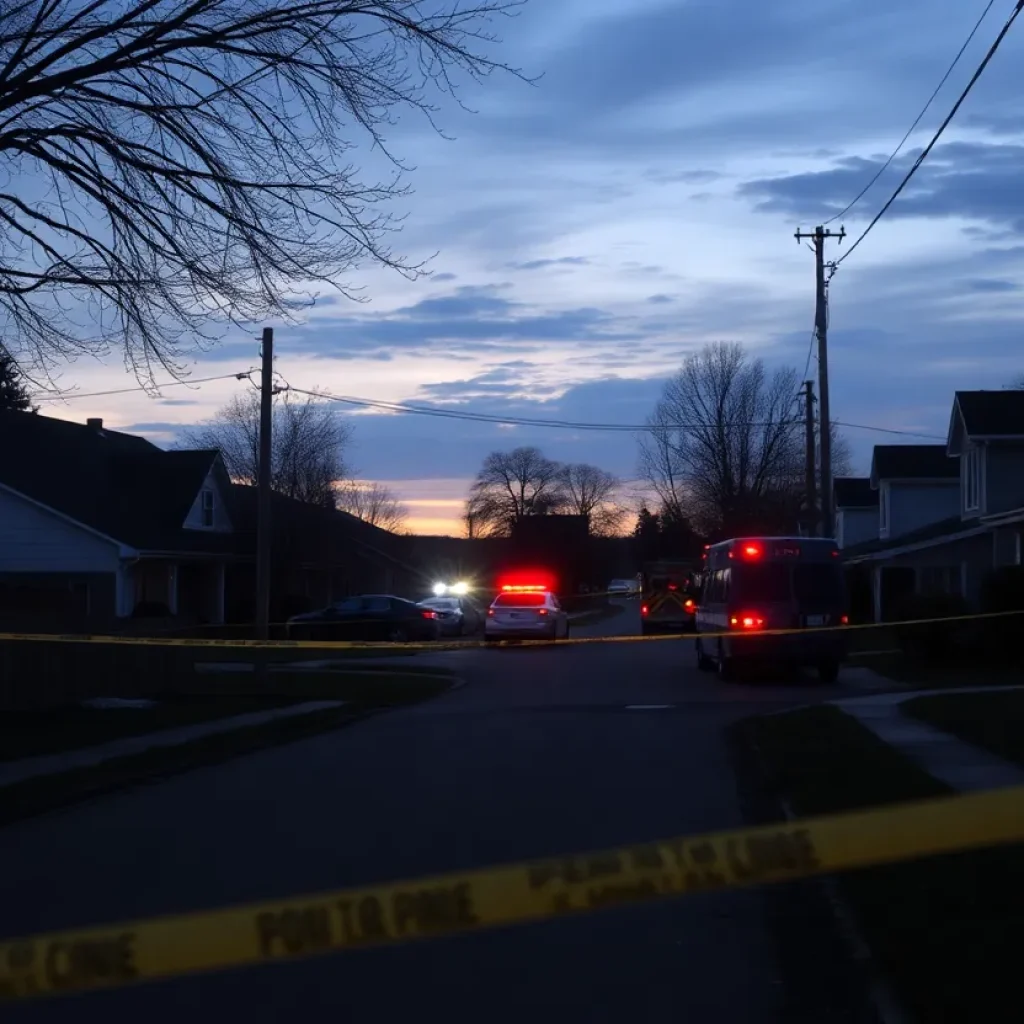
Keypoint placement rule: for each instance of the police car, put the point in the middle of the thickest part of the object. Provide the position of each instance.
(526, 612)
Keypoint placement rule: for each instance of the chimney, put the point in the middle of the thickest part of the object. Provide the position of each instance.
(94, 424)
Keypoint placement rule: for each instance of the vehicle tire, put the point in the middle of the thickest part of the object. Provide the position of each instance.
(397, 635)
(726, 666)
(828, 671)
(704, 663)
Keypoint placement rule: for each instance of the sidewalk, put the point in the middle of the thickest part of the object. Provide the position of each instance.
(960, 765)
(31, 768)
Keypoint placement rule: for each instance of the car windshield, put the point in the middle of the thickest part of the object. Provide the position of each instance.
(519, 601)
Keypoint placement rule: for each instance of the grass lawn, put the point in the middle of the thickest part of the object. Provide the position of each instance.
(945, 930)
(34, 733)
(992, 720)
(938, 675)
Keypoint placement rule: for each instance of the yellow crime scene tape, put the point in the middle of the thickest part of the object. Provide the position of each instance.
(442, 645)
(164, 947)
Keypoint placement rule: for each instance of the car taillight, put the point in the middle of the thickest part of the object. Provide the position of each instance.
(747, 620)
(689, 604)
(490, 611)
(542, 611)
(643, 609)
(673, 586)
(844, 620)
(429, 615)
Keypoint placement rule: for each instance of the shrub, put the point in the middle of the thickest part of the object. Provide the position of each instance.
(931, 641)
(1002, 591)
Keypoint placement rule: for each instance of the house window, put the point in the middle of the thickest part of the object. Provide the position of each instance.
(883, 510)
(208, 506)
(972, 479)
(941, 579)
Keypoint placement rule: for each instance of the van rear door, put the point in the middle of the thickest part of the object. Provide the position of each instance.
(763, 590)
(819, 592)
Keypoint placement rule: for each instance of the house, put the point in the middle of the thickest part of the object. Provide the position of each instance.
(948, 514)
(96, 524)
(856, 509)
(100, 527)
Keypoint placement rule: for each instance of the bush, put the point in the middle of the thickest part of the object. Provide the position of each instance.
(931, 641)
(1002, 591)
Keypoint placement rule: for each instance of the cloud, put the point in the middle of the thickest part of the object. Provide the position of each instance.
(972, 180)
(561, 261)
(437, 278)
(991, 284)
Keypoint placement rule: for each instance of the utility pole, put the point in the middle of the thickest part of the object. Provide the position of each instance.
(813, 524)
(818, 237)
(263, 488)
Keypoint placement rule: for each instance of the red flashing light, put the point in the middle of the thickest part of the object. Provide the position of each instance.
(517, 588)
(747, 620)
(643, 609)
(751, 550)
(689, 603)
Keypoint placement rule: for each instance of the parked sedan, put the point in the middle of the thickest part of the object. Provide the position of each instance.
(369, 617)
(457, 616)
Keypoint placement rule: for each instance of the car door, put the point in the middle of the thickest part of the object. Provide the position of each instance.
(470, 617)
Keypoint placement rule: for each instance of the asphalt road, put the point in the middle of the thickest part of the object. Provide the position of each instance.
(542, 751)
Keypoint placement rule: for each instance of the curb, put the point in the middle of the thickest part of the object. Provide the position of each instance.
(809, 921)
(41, 794)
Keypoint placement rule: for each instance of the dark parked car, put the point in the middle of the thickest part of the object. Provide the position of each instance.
(457, 616)
(368, 617)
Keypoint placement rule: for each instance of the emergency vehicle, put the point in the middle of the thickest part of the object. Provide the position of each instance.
(773, 600)
(669, 594)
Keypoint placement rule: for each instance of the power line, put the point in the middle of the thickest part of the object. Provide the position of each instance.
(942, 127)
(65, 396)
(910, 131)
(521, 421)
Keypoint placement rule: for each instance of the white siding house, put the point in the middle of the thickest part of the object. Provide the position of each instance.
(949, 514)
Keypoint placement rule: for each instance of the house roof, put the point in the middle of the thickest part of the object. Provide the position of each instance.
(311, 533)
(992, 413)
(912, 462)
(854, 492)
(933, 531)
(118, 484)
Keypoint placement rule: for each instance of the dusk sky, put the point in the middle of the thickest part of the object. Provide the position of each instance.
(638, 201)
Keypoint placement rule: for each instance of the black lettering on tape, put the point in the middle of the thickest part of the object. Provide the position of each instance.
(432, 910)
(608, 895)
(647, 857)
(370, 915)
(294, 930)
(89, 962)
(782, 851)
(699, 864)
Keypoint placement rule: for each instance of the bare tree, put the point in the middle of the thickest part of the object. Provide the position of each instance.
(373, 503)
(309, 442)
(594, 493)
(725, 445)
(169, 163)
(510, 486)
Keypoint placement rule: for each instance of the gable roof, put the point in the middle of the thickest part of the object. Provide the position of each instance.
(311, 533)
(912, 462)
(995, 414)
(118, 484)
(854, 492)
